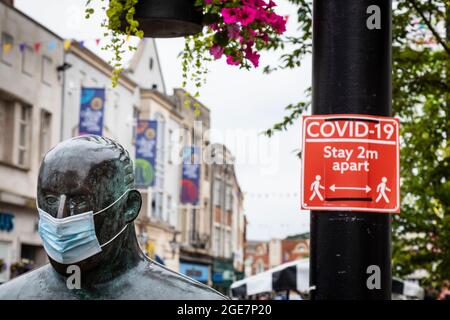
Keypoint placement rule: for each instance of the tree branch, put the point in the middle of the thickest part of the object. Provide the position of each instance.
(428, 23)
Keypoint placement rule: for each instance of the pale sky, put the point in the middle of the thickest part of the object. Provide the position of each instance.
(240, 102)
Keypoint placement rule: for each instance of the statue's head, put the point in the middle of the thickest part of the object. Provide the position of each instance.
(86, 175)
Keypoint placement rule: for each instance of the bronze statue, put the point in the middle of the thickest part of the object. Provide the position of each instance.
(87, 206)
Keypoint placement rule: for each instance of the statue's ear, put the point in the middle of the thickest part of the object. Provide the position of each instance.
(133, 206)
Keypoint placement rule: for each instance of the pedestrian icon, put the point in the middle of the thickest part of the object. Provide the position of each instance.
(315, 188)
(381, 189)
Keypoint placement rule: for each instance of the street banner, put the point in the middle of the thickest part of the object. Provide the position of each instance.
(145, 153)
(91, 111)
(350, 162)
(190, 175)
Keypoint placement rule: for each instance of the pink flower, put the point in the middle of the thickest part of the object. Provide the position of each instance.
(216, 51)
(230, 15)
(214, 26)
(279, 24)
(255, 3)
(264, 37)
(232, 61)
(246, 15)
(253, 56)
(250, 43)
(233, 31)
(271, 4)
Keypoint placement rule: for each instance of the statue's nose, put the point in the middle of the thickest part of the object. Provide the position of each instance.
(63, 209)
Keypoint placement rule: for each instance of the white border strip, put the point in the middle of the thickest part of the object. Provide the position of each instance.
(373, 141)
(397, 153)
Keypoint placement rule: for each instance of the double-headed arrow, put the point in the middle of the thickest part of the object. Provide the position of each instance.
(334, 188)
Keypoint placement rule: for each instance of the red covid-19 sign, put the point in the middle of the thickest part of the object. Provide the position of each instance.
(350, 162)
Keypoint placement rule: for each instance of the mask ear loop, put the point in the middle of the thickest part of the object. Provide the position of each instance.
(112, 203)
(111, 240)
(126, 225)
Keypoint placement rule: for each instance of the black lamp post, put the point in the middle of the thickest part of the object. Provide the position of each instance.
(351, 75)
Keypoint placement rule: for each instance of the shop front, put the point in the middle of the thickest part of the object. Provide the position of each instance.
(199, 272)
(20, 245)
(223, 275)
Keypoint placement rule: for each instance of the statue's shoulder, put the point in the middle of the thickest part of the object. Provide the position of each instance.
(171, 285)
(36, 284)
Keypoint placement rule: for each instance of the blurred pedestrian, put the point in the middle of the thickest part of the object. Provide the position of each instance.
(445, 292)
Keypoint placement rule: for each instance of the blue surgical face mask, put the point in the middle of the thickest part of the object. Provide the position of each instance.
(72, 239)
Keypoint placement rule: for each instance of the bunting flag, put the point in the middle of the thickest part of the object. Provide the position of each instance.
(67, 44)
(51, 45)
(271, 195)
(7, 47)
(37, 47)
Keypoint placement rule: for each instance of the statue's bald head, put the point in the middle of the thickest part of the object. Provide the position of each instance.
(87, 161)
(89, 173)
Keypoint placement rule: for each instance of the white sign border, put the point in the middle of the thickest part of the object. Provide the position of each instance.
(350, 116)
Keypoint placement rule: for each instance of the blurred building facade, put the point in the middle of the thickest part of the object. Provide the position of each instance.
(227, 230)
(195, 219)
(157, 224)
(30, 112)
(263, 255)
(84, 69)
(41, 81)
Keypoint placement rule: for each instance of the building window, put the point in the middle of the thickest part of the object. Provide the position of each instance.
(216, 195)
(28, 61)
(45, 134)
(82, 78)
(194, 231)
(206, 172)
(229, 199)
(160, 144)
(259, 266)
(5, 255)
(159, 178)
(135, 122)
(116, 100)
(227, 244)
(260, 251)
(206, 205)
(216, 244)
(157, 205)
(151, 64)
(170, 147)
(301, 248)
(24, 124)
(47, 70)
(15, 129)
(7, 47)
(3, 129)
(169, 208)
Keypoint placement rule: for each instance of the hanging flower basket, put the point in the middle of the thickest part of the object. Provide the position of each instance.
(168, 18)
(236, 30)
